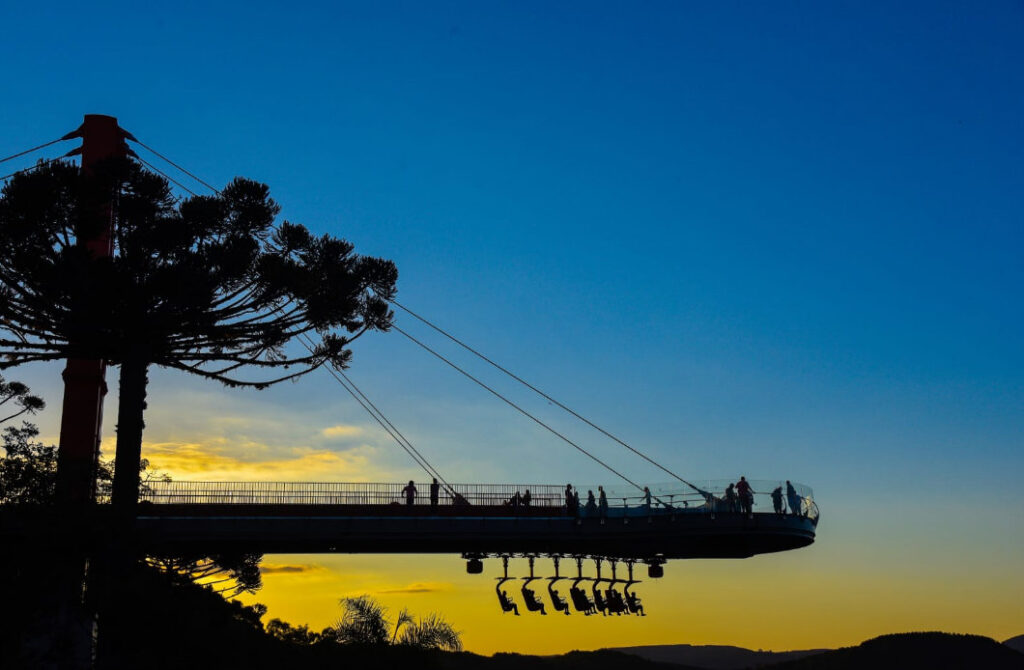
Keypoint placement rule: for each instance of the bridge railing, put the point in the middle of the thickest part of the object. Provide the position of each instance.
(343, 493)
(709, 498)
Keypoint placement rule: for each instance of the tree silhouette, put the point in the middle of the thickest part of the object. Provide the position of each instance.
(208, 285)
(228, 574)
(364, 621)
(21, 398)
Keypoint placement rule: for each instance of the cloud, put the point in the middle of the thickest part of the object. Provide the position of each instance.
(342, 430)
(417, 587)
(285, 568)
(217, 459)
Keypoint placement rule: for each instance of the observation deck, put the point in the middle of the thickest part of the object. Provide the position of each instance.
(472, 519)
(315, 517)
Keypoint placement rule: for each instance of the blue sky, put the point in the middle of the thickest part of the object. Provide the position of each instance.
(780, 240)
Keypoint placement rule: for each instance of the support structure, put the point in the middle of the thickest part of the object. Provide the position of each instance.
(84, 379)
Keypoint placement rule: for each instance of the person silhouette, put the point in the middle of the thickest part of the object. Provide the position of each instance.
(795, 501)
(527, 498)
(777, 500)
(730, 497)
(410, 493)
(602, 502)
(591, 504)
(435, 492)
(746, 496)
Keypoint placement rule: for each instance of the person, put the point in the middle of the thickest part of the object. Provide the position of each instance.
(591, 505)
(526, 498)
(435, 490)
(777, 500)
(746, 496)
(647, 499)
(602, 502)
(795, 501)
(507, 604)
(576, 502)
(515, 499)
(410, 493)
(568, 498)
(730, 498)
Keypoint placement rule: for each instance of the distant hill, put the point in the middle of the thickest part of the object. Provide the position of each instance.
(935, 651)
(1016, 643)
(603, 659)
(715, 657)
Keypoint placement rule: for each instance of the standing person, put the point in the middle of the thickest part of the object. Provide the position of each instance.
(602, 502)
(647, 499)
(527, 498)
(591, 505)
(730, 498)
(795, 501)
(568, 499)
(746, 496)
(777, 500)
(410, 493)
(576, 502)
(435, 492)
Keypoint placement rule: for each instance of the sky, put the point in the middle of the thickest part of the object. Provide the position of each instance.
(781, 240)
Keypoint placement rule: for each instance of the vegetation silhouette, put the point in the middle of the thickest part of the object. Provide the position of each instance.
(20, 398)
(208, 285)
(28, 476)
(364, 621)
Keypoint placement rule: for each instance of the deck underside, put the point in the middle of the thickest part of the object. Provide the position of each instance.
(210, 529)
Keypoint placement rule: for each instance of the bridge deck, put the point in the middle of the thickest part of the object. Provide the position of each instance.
(178, 517)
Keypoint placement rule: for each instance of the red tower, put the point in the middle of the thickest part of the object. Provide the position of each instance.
(84, 379)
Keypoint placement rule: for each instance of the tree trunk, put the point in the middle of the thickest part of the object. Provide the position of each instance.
(130, 407)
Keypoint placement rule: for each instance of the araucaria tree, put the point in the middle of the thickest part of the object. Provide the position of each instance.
(207, 285)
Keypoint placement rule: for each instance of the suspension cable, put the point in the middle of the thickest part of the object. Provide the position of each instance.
(338, 374)
(354, 391)
(360, 397)
(541, 393)
(40, 164)
(28, 151)
(168, 160)
(521, 410)
(432, 470)
(333, 370)
(166, 176)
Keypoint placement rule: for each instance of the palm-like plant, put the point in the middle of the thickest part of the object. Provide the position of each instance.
(430, 632)
(365, 621)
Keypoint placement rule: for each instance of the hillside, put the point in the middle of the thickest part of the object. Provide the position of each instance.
(715, 657)
(935, 651)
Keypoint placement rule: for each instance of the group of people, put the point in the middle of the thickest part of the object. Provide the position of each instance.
(410, 493)
(519, 500)
(739, 497)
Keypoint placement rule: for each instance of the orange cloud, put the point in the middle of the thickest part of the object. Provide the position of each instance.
(341, 430)
(217, 460)
(417, 587)
(286, 568)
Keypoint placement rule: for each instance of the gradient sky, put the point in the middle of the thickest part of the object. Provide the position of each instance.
(782, 240)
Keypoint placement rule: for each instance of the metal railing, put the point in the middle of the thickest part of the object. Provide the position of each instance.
(345, 493)
(710, 499)
(676, 498)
